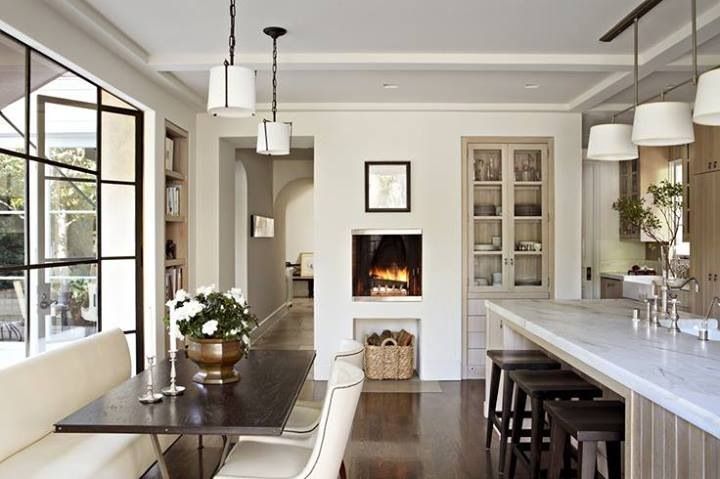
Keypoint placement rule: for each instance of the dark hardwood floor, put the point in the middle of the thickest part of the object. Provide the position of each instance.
(395, 435)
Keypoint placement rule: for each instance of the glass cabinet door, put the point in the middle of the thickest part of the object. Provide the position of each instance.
(487, 196)
(529, 225)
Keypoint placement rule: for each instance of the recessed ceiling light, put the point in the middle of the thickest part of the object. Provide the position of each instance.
(532, 86)
(390, 86)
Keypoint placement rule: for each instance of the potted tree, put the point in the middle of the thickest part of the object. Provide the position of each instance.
(216, 329)
(657, 215)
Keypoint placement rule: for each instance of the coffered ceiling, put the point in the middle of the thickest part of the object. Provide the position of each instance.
(463, 52)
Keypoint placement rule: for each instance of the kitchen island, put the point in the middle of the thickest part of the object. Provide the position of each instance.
(670, 382)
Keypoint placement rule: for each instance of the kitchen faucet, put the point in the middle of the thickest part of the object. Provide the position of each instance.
(703, 330)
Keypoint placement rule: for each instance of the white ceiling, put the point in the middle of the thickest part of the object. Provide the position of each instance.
(456, 51)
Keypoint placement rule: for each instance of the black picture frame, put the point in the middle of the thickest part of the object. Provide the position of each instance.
(405, 206)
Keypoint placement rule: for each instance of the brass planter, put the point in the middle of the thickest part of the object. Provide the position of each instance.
(216, 359)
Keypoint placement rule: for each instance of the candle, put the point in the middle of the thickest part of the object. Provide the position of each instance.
(171, 334)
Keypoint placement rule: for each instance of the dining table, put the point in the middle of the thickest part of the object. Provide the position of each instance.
(258, 404)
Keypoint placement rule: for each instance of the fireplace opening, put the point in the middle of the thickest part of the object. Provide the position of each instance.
(387, 265)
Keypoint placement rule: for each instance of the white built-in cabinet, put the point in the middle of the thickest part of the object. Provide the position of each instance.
(508, 239)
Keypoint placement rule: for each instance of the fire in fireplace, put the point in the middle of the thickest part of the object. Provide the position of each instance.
(387, 265)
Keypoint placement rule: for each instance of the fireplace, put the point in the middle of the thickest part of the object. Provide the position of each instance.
(387, 265)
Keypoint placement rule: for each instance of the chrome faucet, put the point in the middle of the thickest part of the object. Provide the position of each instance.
(703, 331)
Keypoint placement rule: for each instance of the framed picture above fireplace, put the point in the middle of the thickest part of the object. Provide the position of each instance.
(387, 186)
(387, 265)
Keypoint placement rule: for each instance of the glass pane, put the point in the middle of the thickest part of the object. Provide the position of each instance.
(118, 294)
(487, 270)
(111, 100)
(130, 338)
(12, 317)
(528, 200)
(63, 114)
(12, 210)
(487, 165)
(63, 305)
(12, 95)
(118, 147)
(528, 165)
(70, 215)
(487, 200)
(528, 270)
(528, 235)
(118, 220)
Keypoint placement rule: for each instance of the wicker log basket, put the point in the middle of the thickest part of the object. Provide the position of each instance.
(393, 358)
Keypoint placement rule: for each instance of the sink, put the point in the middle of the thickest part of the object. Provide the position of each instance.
(691, 326)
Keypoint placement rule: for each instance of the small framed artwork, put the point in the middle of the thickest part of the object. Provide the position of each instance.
(387, 187)
(307, 269)
(169, 154)
(262, 226)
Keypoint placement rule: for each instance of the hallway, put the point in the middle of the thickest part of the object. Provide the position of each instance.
(292, 331)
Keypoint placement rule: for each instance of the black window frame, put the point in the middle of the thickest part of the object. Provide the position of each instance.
(38, 158)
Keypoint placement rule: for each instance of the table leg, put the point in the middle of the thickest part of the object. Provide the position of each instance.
(225, 452)
(162, 465)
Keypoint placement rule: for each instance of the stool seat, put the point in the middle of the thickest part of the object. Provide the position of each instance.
(530, 359)
(554, 385)
(590, 420)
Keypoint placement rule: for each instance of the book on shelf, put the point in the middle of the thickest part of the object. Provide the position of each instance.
(173, 281)
(172, 200)
(169, 153)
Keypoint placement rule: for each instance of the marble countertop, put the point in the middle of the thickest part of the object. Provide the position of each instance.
(678, 372)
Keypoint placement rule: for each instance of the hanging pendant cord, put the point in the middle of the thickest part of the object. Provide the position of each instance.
(274, 80)
(636, 69)
(693, 9)
(231, 40)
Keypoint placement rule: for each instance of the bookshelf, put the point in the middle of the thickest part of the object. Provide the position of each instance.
(176, 207)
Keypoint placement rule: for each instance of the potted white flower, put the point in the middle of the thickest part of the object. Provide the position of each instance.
(216, 328)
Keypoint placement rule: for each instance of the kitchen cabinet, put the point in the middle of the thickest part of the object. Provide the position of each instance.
(705, 256)
(611, 288)
(507, 233)
(508, 219)
(635, 177)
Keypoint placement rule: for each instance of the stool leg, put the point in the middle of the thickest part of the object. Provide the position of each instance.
(587, 459)
(614, 463)
(517, 421)
(508, 387)
(558, 443)
(492, 404)
(536, 437)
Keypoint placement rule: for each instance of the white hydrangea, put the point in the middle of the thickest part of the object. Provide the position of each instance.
(205, 290)
(210, 327)
(180, 295)
(186, 311)
(237, 295)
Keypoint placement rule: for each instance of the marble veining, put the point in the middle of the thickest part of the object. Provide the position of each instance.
(676, 371)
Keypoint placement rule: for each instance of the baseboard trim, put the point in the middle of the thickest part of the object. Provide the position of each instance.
(265, 325)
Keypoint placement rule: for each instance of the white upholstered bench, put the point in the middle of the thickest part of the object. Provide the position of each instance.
(38, 392)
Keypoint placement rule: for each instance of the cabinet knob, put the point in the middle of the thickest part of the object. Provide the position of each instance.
(709, 164)
(715, 276)
(714, 164)
(709, 276)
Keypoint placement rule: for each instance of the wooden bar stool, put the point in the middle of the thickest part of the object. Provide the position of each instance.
(509, 360)
(589, 422)
(541, 386)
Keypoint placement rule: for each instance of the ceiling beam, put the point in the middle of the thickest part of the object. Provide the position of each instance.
(655, 58)
(402, 61)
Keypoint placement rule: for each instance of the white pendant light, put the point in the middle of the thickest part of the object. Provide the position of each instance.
(231, 89)
(707, 99)
(611, 142)
(663, 123)
(273, 137)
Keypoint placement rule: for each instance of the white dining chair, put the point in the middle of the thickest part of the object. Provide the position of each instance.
(255, 458)
(305, 415)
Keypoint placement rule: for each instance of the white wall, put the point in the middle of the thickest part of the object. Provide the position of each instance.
(432, 141)
(296, 203)
(34, 22)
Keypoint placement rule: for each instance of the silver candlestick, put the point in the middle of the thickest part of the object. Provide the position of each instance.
(150, 395)
(173, 389)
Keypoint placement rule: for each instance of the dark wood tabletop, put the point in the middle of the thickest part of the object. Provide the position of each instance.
(259, 404)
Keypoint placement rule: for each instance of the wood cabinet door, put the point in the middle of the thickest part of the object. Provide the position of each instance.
(703, 257)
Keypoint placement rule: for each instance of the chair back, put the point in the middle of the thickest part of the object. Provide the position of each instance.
(344, 388)
(352, 352)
